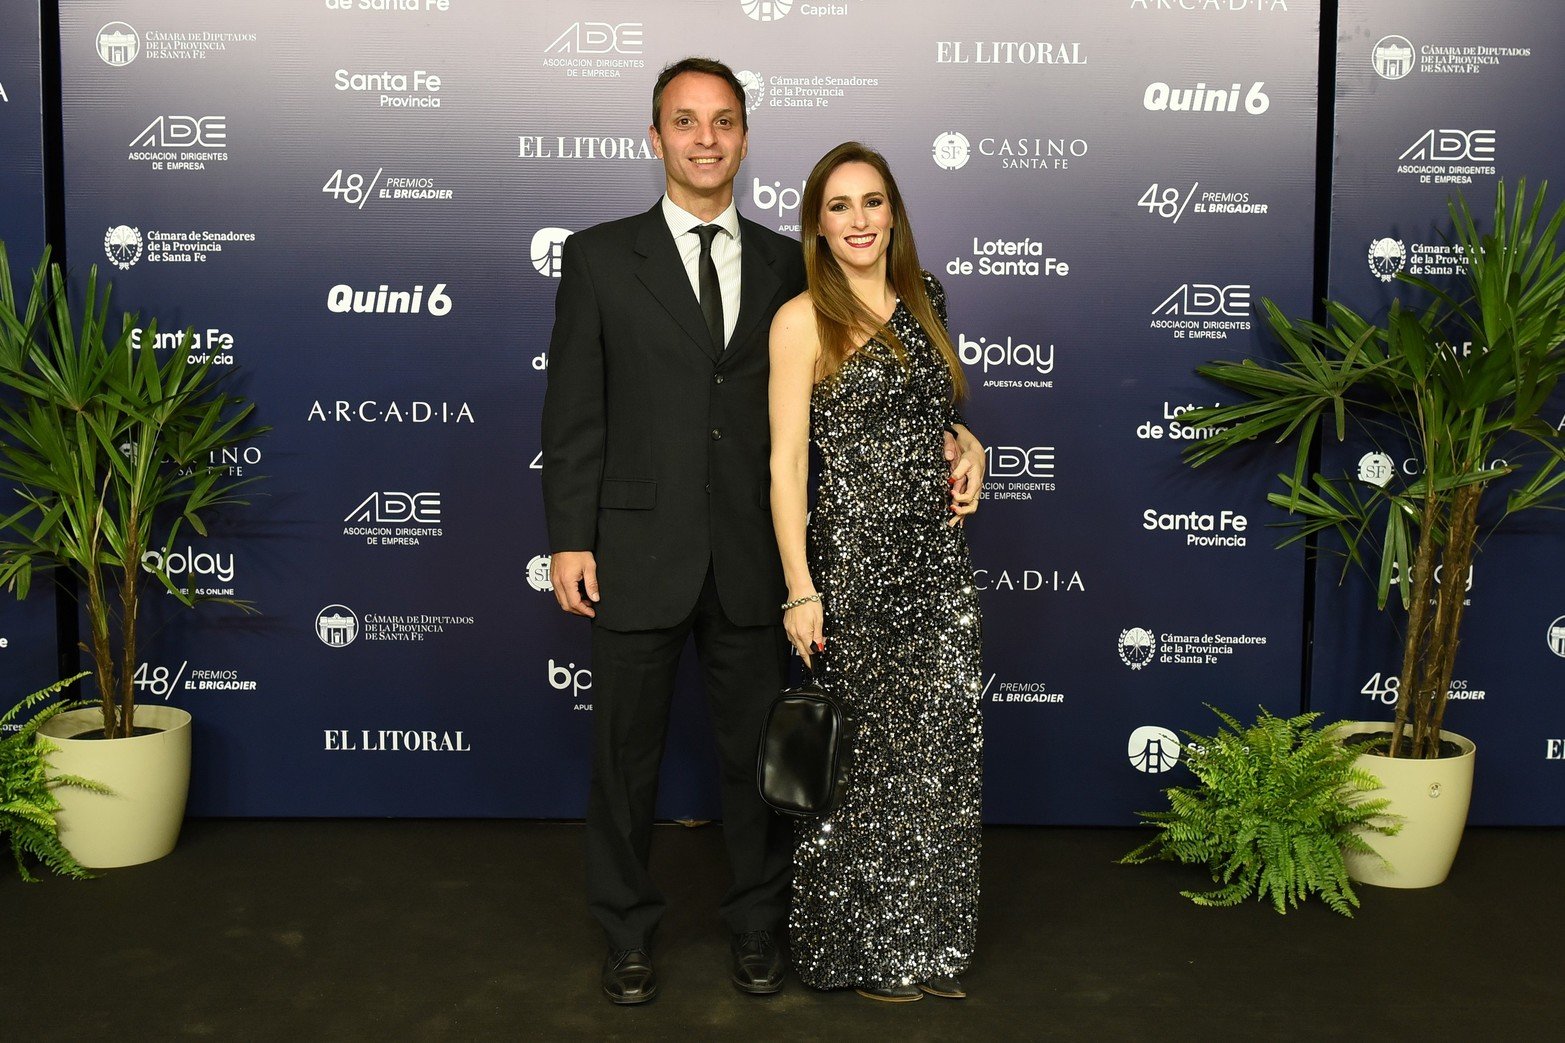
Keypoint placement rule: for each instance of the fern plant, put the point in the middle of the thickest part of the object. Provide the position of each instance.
(1277, 804)
(27, 800)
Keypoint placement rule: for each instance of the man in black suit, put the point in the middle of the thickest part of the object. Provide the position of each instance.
(655, 481)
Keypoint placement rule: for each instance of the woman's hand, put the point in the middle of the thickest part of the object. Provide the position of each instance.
(967, 473)
(794, 350)
(804, 624)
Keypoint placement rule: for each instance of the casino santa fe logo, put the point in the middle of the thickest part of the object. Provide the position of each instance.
(951, 150)
(538, 576)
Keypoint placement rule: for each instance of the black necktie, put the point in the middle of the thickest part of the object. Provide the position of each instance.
(711, 290)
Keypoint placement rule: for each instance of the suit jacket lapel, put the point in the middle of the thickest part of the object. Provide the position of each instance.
(663, 273)
(758, 284)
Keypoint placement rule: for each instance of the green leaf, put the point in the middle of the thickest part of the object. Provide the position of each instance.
(1276, 804)
(107, 447)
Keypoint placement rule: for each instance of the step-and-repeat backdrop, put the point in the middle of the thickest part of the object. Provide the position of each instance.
(27, 628)
(360, 203)
(1431, 99)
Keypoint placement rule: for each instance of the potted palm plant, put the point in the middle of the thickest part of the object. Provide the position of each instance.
(1459, 382)
(107, 448)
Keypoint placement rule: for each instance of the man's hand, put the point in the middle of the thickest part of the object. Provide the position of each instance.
(966, 457)
(573, 572)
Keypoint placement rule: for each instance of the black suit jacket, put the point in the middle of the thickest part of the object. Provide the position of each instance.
(656, 445)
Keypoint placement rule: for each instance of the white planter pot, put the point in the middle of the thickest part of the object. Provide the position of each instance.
(1432, 797)
(150, 777)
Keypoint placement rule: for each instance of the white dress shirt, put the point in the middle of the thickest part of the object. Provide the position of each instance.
(725, 255)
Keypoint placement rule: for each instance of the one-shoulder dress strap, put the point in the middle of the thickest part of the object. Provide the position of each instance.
(937, 296)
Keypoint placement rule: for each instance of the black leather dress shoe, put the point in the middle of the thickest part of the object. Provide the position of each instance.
(628, 977)
(894, 994)
(758, 965)
(943, 985)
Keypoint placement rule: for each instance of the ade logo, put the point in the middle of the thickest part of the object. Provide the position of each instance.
(209, 132)
(1454, 146)
(1011, 461)
(394, 507)
(1204, 299)
(599, 38)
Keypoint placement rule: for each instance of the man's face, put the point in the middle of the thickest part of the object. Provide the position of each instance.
(701, 139)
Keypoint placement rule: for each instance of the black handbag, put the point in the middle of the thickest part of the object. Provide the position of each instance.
(806, 750)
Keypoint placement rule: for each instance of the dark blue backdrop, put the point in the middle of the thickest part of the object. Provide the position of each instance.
(1106, 191)
(27, 629)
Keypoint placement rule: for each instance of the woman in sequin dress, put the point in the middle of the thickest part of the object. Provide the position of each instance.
(885, 890)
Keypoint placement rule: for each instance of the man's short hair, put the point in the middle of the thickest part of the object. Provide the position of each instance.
(710, 67)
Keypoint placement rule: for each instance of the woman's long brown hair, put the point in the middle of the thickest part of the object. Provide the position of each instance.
(841, 319)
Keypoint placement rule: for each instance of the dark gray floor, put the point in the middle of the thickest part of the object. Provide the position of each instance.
(407, 930)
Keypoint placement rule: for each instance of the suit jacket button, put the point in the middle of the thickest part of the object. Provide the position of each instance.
(716, 434)
(708, 486)
(718, 379)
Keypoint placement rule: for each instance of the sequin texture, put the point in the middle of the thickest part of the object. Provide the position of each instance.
(885, 891)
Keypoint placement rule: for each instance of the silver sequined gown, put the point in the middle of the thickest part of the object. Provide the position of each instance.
(885, 891)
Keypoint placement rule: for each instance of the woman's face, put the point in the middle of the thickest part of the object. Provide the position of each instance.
(856, 216)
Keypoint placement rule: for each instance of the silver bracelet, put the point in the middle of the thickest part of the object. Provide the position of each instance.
(796, 602)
